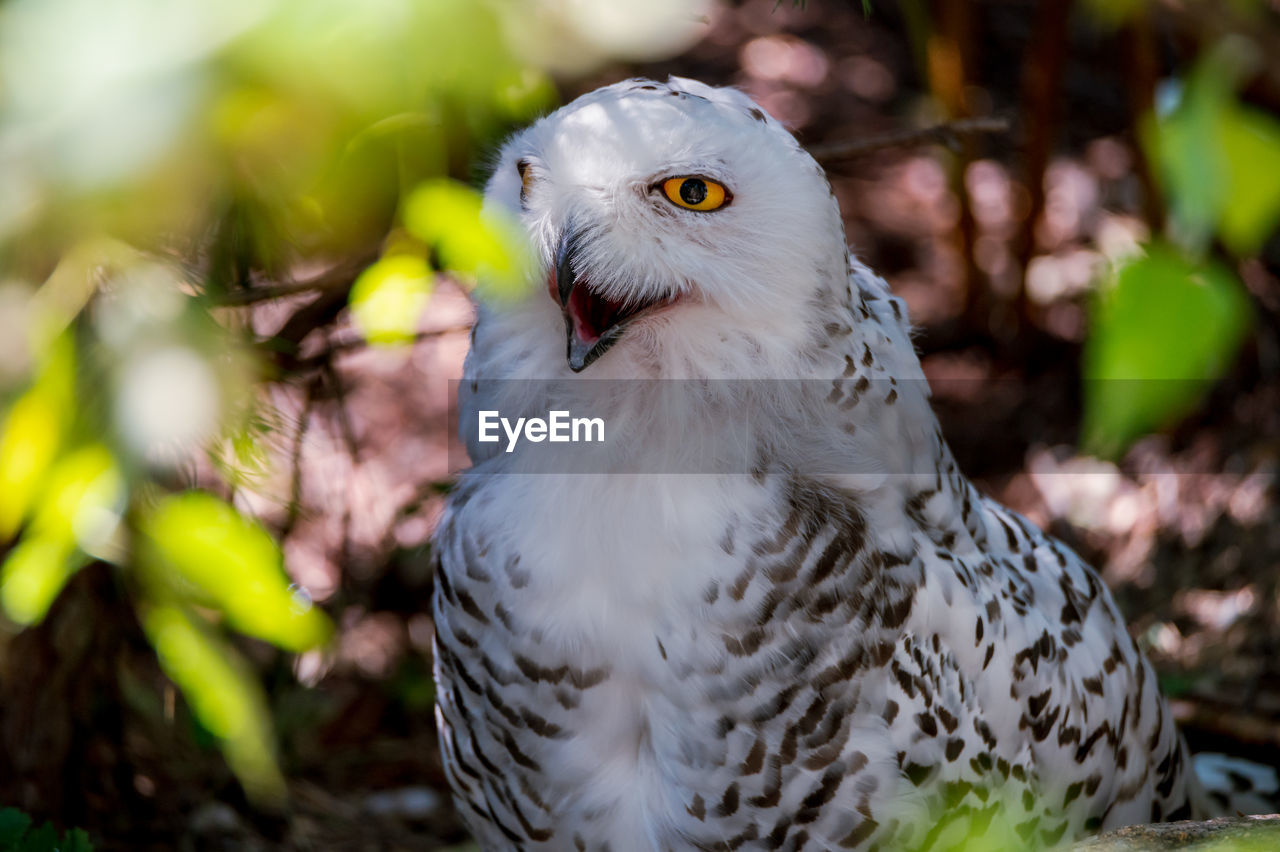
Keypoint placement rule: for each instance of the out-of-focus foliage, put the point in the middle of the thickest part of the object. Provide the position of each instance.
(163, 159)
(482, 244)
(444, 219)
(16, 835)
(388, 297)
(1169, 320)
(1219, 158)
(1163, 328)
(217, 557)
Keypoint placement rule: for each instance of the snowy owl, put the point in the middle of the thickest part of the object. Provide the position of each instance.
(776, 615)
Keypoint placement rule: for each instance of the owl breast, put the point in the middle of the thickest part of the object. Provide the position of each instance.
(725, 677)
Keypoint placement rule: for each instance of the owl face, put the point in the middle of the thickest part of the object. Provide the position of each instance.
(647, 201)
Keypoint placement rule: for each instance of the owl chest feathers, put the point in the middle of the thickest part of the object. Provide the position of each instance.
(728, 641)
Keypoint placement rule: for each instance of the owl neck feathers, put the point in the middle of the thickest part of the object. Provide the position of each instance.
(831, 389)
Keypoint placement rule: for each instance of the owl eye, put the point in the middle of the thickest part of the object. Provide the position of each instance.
(696, 193)
(526, 180)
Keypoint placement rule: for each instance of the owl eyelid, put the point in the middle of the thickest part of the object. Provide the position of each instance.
(526, 178)
(657, 183)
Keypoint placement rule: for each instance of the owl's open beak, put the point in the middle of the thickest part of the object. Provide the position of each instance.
(593, 322)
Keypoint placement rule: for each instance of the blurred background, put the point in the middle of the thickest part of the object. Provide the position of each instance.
(236, 241)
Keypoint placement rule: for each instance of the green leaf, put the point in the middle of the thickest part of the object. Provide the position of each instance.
(43, 839)
(1250, 144)
(83, 497)
(1185, 146)
(1162, 330)
(76, 840)
(13, 824)
(486, 244)
(1113, 14)
(33, 574)
(388, 298)
(80, 503)
(32, 434)
(233, 563)
(1219, 160)
(223, 694)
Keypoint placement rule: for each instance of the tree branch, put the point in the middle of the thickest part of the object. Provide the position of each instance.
(948, 133)
(1256, 832)
(340, 276)
(320, 359)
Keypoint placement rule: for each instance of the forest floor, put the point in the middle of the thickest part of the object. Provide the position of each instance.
(1185, 528)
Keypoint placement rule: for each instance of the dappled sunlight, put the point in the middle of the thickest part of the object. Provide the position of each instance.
(371, 643)
(867, 78)
(1054, 277)
(1071, 202)
(1216, 610)
(786, 59)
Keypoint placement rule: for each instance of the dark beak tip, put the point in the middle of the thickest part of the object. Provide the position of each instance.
(580, 354)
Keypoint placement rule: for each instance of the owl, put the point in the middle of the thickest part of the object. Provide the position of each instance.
(766, 611)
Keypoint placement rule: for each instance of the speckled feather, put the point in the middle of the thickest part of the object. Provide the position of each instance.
(775, 659)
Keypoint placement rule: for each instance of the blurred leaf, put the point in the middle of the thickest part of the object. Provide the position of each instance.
(243, 142)
(1184, 144)
(485, 244)
(33, 574)
(388, 298)
(235, 564)
(32, 433)
(13, 824)
(76, 840)
(82, 499)
(80, 503)
(1113, 14)
(74, 281)
(43, 839)
(523, 93)
(1177, 684)
(1250, 144)
(1160, 332)
(223, 694)
(1219, 160)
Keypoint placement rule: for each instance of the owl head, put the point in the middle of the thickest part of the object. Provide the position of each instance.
(679, 227)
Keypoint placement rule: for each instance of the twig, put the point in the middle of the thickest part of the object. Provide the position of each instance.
(336, 348)
(345, 426)
(948, 133)
(295, 458)
(339, 277)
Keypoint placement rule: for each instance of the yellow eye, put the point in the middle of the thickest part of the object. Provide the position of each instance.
(696, 193)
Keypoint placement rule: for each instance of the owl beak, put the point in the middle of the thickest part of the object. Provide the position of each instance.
(592, 322)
